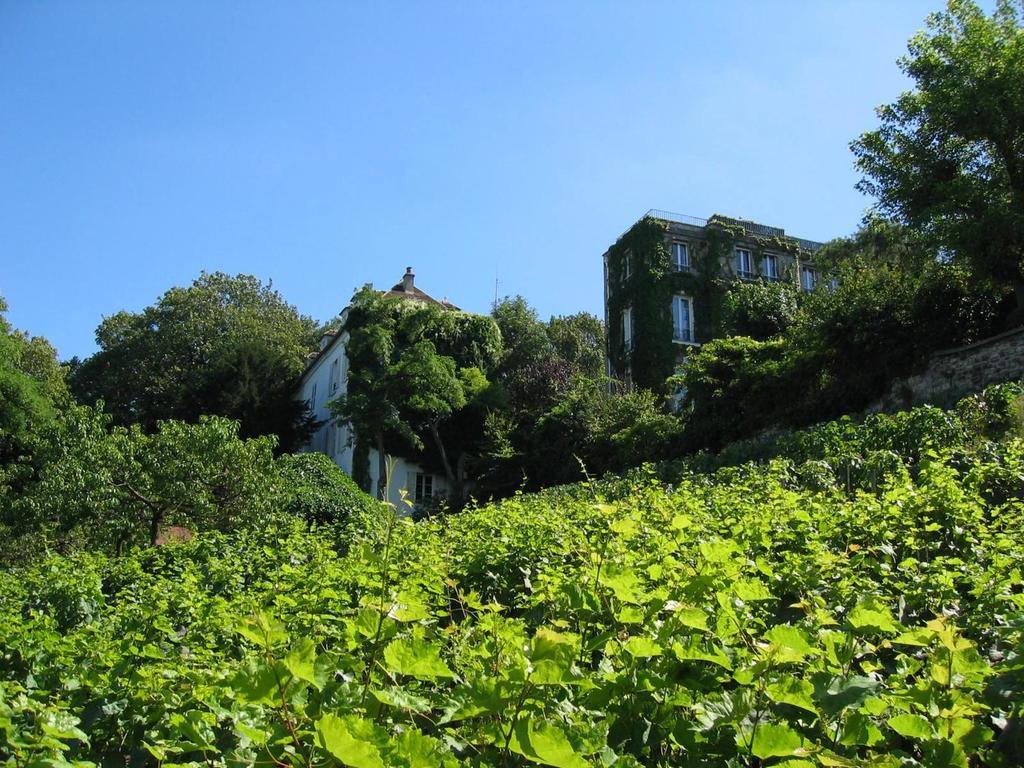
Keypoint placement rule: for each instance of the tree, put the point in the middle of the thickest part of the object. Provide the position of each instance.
(110, 488)
(413, 370)
(760, 310)
(948, 158)
(579, 340)
(227, 346)
(32, 386)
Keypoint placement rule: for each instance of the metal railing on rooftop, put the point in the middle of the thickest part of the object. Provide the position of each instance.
(678, 218)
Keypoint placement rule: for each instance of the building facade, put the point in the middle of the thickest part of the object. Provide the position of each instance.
(326, 378)
(666, 277)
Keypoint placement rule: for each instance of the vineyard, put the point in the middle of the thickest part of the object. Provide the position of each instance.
(855, 600)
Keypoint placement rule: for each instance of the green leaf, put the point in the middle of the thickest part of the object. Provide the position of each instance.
(351, 740)
(642, 647)
(871, 615)
(750, 590)
(789, 644)
(416, 750)
(692, 649)
(415, 657)
(695, 618)
(301, 661)
(792, 691)
(545, 743)
(255, 682)
(623, 582)
(403, 699)
(552, 655)
(912, 726)
(834, 694)
(776, 740)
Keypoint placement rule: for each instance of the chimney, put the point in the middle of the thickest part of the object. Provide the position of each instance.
(407, 280)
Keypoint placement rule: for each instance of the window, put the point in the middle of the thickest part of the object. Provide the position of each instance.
(680, 257)
(808, 278)
(312, 398)
(627, 266)
(424, 486)
(744, 264)
(682, 321)
(335, 375)
(627, 328)
(770, 267)
(833, 284)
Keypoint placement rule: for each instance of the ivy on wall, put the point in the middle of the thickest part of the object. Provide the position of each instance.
(652, 282)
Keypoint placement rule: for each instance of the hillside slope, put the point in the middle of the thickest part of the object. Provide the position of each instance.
(799, 612)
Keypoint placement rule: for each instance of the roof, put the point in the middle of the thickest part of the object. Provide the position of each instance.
(398, 291)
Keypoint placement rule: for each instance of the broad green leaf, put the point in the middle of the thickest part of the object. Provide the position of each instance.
(859, 729)
(545, 743)
(552, 655)
(623, 583)
(789, 644)
(415, 657)
(301, 661)
(351, 739)
(255, 682)
(834, 694)
(871, 615)
(417, 750)
(408, 607)
(641, 647)
(919, 636)
(776, 740)
(694, 618)
(403, 699)
(692, 649)
(912, 726)
(792, 691)
(751, 590)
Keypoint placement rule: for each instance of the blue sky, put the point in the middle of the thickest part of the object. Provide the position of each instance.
(326, 145)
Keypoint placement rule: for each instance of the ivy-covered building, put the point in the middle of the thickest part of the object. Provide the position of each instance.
(666, 277)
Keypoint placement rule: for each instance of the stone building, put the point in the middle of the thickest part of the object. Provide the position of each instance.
(665, 279)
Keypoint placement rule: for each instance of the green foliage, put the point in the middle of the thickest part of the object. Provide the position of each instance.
(319, 492)
(31, 387)
(417, 381)
(893, 305)
(110, 489)
(227, 346)
(646, 291)
(760, 310)
(740, 618)
(946, 158)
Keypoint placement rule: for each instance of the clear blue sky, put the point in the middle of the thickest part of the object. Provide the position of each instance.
(326, 145)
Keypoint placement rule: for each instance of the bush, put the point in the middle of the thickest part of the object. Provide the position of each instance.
(319, 492)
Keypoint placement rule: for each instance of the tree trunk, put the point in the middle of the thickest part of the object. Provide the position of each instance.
(382, 468)
(453, 482)
(154, 526)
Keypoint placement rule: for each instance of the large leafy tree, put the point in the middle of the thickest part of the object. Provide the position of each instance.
(227, 346)
(414, 369)
(948, 157)
(31, 388)
(110, 488)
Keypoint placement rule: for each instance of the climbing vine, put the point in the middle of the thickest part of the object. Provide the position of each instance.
(640, 277)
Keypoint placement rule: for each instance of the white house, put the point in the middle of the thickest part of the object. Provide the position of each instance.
(326, 377)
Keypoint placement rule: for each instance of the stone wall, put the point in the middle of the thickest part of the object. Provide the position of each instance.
(954, 373)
